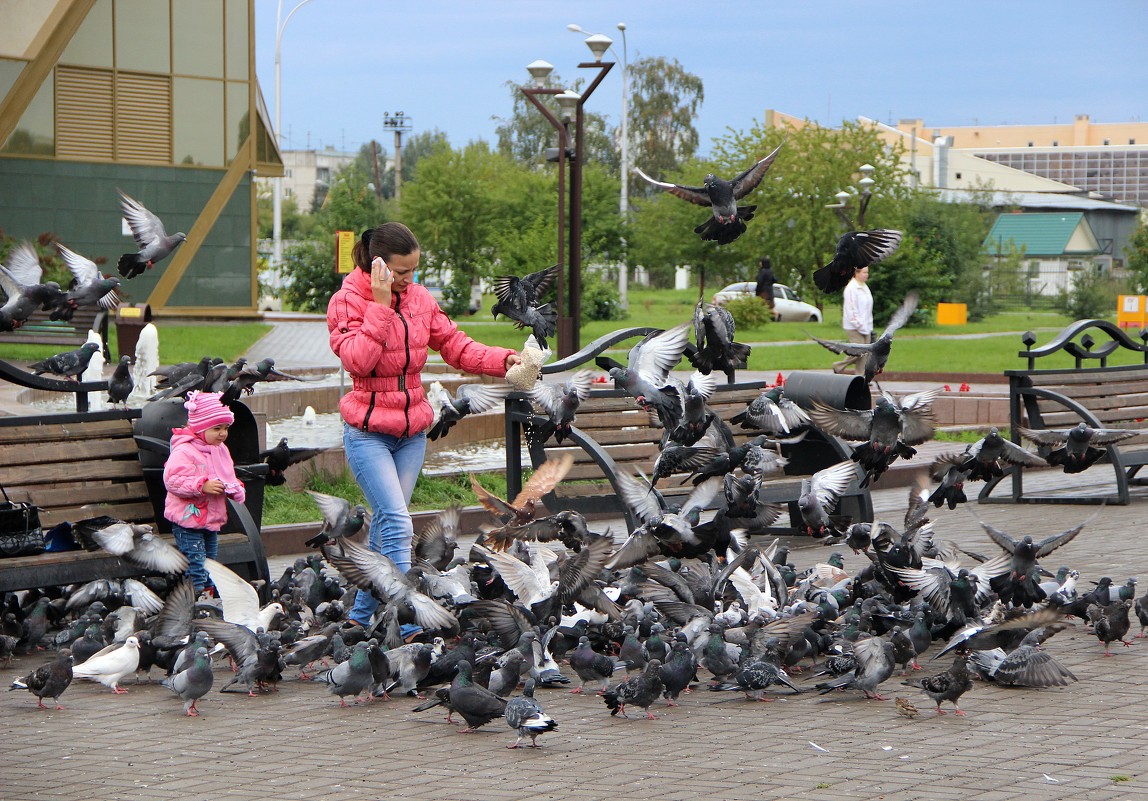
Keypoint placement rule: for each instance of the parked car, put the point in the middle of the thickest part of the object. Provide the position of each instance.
(788, 306)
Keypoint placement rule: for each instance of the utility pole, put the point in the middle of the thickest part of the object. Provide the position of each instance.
(399, 123)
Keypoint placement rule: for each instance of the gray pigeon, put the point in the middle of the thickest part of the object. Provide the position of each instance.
(68, 364)
(876, 353)
(476, 704)
(646, 375)
(340, 519)
(192, 683)
(855, 250)
(1075, 449)
(560, 402)
(121, 384)
(714, 331)
(151, 238)
(983, 458)
(525, 715)
(48, 681)
(89, 286)
(875, 662)
(728, 219)
(20, 280)
(350, 677)
(468, 399)
(641, 690)
(518, 299)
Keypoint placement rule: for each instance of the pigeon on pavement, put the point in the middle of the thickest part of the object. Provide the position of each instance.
(193, 682)
(112, 664)
(949, 685)
(350, 677)
(525, 715)
(641, 691)
(48, 681)
(153, 241)
(728, 219)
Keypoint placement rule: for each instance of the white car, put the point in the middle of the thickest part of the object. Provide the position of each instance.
(787, 304)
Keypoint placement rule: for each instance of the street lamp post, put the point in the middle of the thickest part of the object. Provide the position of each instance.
(570, 289)
(398, 123)
(624, 199)
(864, 195)
(277, 219)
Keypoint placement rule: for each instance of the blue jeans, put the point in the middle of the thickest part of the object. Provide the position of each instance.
(196, 544)
(386, 468)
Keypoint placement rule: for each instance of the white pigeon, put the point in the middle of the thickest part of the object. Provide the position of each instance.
(240, 601)
(111, 664)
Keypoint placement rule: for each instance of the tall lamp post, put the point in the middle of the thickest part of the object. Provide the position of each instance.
(571, 103)
(624, 200)
(399, 123)
(277, 219)
(864, 195)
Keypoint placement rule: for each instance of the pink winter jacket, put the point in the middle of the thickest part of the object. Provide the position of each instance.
(384, 350)
(191, 463)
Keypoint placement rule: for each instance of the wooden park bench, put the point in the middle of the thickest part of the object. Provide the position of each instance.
(1090, 391)
(61, 334)
(611, 435)
(78, 466)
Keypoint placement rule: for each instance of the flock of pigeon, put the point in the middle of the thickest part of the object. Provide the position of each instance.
(636, 620)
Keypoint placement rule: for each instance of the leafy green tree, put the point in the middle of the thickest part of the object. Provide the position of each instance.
(296, 224)
(415, 146)
(372, 162)
(525, 134)
(1137, 259)
(663, 104)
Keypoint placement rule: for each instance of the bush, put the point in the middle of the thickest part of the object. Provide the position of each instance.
(749, 312)
(1093, 295)
(600, 300)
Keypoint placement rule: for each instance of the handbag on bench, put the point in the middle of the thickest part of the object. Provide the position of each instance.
(20, 532)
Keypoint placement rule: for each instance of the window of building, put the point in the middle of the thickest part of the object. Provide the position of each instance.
(198, 33)
(235, 31)
(238, 123)
(35, 134)
(323, 174)
(1107, 142)
(91, 46)
(1030, 144)
(143, 38)
(1131, 141)
(958, 176)
(198, 114)
(1055, 143)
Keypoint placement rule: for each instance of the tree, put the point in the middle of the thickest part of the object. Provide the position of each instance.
(663, 103)
(415, 147)
(1137, 255)
(525, 135)
(372, 162)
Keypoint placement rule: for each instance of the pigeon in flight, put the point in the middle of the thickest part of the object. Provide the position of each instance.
(20, 280)
(468, 399)
(89, 287)
(1076, 449)
(646, 376)
(518, 299)
(728, 220)
(283, 456)
(340, 519)
(855, 250)
(560, 402)
(877, 353)
(151, 238)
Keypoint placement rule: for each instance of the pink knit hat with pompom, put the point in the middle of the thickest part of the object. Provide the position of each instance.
(205, 410)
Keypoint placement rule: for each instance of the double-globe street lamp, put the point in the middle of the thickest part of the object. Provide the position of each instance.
(624, 200)
(569, 283)
(864, 195)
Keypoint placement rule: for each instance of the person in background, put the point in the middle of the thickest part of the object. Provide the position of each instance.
(199, 477)
(856, 317)
(381, 325)
(765, 282)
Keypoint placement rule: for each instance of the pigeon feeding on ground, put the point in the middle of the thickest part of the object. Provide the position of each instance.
(518, 300)
(1076, 449)
(48, 681)
(193, 682)
(855, 250)
(68, 364)
(949, 685)
(728, 219)
(641, 691)
(876, 353)
(153, 241)
(525, 715)
(350, 677)
(112, 664)
(89, 286)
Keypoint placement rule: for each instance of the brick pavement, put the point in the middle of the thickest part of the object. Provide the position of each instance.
(298, 744)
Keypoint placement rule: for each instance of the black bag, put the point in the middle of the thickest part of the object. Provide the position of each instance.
(20, 532)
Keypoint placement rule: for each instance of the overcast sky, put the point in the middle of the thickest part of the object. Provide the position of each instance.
(447, 63)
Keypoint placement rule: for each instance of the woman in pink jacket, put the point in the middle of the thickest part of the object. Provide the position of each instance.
(381, 324)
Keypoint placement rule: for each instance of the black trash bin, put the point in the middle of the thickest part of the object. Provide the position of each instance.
(831, 389)
(157, 421)
(130, 320)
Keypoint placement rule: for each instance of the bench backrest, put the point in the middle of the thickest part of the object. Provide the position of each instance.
(1112, 397)
(65, 334)
(74, 467)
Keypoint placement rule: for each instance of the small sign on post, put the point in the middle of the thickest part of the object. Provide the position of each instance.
(344, 244)
(1131, 311)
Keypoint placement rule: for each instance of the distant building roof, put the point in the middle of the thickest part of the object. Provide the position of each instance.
(1035, 200)
(1043, 234)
